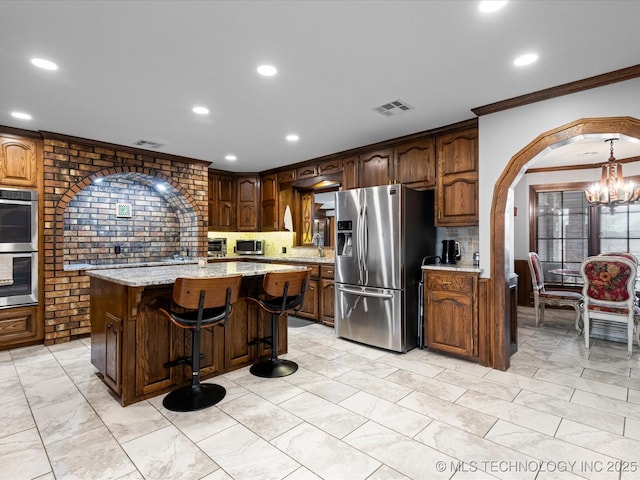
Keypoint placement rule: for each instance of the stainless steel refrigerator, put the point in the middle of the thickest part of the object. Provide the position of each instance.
(382, 234)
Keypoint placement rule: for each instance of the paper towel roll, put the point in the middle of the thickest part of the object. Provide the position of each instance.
(288, 220)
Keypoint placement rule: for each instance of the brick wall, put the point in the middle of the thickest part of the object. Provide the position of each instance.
(80, 225)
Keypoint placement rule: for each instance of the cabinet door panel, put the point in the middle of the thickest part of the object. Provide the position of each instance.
(248, 204)
(113, 352)
(415, 164)
(350, 173)
(269, 202)
(310, 307)
(327, 302)
(375, 168)
(18, 162)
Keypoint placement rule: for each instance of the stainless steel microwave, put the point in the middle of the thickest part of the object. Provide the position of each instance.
(249, 247)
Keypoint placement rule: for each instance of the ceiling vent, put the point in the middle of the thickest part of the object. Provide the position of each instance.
(393, 108)
(148, 144)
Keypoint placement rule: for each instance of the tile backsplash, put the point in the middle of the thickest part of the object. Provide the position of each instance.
(274, 242)
(468, 237)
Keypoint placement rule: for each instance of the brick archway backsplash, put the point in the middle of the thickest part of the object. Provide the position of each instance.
(72, 164)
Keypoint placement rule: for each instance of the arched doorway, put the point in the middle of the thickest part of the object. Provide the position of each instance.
(499, 337)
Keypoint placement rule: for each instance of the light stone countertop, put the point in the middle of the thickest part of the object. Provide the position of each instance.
(167, 274)
(458, 267)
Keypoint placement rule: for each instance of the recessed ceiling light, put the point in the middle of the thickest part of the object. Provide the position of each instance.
(200, 110)
(267, 70)
(231, 157)
(44, 64)
(21, 115)
(527, 59)
(488, 6)
(292, 137)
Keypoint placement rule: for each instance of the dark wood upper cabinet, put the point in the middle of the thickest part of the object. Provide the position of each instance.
(248, 203)
(350, 173)
(269, 203)
(415, 164)
(222, 202)
(457, 178)
(375, 168)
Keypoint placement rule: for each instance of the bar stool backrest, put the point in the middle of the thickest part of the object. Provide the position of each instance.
(186, 291)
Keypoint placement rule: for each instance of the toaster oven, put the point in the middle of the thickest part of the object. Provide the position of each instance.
(217, 247)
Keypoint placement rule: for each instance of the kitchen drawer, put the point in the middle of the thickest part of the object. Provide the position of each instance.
(327, 271)
(449, 281)
(286, 176)
(315, 271)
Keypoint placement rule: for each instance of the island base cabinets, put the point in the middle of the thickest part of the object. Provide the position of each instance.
(451, 312)
(327, 294)
(20, 326)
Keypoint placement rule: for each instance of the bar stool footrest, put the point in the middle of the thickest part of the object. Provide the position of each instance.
(273, 368)
(194, 397)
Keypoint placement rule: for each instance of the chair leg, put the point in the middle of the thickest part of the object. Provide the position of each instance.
(585, 319)
(197, 395)
(536, 307)
(630, 324)
(578, 310)
(273, 367)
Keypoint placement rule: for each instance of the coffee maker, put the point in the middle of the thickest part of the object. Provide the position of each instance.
(450, 252)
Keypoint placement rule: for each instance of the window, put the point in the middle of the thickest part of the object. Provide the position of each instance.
(565, 229)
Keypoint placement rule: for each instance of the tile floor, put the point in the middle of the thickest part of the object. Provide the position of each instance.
(350, 412)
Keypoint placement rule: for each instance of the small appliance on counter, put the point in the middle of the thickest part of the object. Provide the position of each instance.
(249, 247)
(450, 252)
(217, 247)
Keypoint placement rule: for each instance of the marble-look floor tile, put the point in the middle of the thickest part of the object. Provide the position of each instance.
(379, 387)
(246, 456)
(456, 364)
(511, 412)
(387, 473)
(325, 455)
(15, 416)
(94, 454)
(219, 474)
(303, 473)
(407, 456)
(168, 454)
(607, 443)
(632, 428)
(416, 366)
(465, 418)
(529, 360)
(584, 414)
(321, 366)
(7, 370)
(23, 456)
(532, 384)
(606, 404)
(276, 390)
(478, 384)
(51, 390)
(388, 414)
(326, 388)
(580, 383)
(363, 351)
(325, 415)
(322, 351)
(260, 416)
(612, 379)
(64, 419)
(364, 365)
(548, 449)
(611, 365)
(477, 454)
(200, 424)
(428, 385)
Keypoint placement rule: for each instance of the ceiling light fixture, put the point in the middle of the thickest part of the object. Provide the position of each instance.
(612, 190)
(231, 157)
(21, 115)
(44, 64)
(200, 110)
(292, 137)
(267, 70)
(488, 6)
(527, 59)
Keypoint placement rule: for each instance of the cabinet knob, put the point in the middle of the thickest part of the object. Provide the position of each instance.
(109, 325)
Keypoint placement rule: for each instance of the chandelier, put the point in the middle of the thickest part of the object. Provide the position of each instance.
(612, 190)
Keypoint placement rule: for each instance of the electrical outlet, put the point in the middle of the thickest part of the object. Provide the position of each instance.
(284, 249)
(117, 249)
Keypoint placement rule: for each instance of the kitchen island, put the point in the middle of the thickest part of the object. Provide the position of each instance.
(132, 344)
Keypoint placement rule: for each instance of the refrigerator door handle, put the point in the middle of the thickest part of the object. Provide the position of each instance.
(365, 243)
(365, 294)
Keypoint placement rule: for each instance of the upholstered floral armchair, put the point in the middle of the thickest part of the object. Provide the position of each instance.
(609, 293)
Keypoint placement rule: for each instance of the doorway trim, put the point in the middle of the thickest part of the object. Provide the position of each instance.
(499, 341)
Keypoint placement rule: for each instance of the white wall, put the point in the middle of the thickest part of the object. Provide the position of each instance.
(503, 134)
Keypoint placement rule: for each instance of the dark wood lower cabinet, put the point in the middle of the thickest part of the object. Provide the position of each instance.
(451, 312)
(131, 343)
(20, 326)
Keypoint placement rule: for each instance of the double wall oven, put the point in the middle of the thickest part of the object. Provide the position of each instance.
(18, 247)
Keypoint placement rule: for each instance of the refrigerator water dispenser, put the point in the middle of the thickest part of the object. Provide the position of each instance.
(345, 238)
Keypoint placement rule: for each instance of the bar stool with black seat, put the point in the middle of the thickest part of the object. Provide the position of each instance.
(203, 303)
(283, 292)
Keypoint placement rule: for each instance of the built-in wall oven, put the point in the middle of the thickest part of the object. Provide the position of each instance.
(18, 247)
